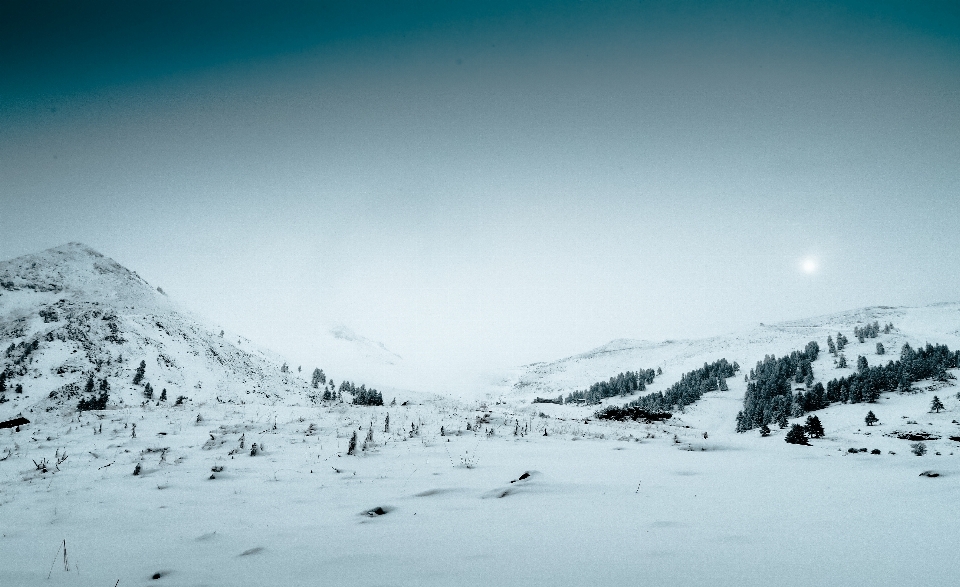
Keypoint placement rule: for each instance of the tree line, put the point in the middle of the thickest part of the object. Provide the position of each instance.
(690, 388)
(622, 385)
(769, 397)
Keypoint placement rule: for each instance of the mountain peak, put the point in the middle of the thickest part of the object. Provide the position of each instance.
(77, 269)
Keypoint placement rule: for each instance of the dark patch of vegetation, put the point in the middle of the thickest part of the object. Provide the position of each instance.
(629, 412)
(97, 402)
(917, 436)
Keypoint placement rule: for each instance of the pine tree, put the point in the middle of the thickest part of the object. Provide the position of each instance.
(368, 441)
(905, 385)
(148, 391)
(163, 395)
(386, 424)
(841, 341)
(936, 405)
(861, 364)
(796, 435)
(797, 409)
(352, 448)
(781, 420)
(880, 349)
(842, 361)
(830, 346)
(764, 431)
(813, 427)
(138, 376)
(871, 418)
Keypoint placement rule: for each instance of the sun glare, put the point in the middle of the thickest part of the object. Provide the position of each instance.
(809, 265)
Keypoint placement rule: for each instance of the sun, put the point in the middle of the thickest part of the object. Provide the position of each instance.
(809, 265)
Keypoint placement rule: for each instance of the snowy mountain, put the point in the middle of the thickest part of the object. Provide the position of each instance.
(70, 313)
(252, 482)
(917, 325)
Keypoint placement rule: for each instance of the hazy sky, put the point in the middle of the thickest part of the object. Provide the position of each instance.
(481, 184)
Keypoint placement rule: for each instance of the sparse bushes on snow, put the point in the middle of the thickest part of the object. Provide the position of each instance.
(918, 448)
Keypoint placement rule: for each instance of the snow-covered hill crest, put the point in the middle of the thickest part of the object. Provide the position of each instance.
(69, 313)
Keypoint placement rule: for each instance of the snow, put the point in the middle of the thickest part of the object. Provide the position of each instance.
(683, 502)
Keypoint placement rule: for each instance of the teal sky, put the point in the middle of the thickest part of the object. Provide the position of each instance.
(483, 184)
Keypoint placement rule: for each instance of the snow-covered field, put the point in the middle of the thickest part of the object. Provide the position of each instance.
(530, 494)
(604, 503)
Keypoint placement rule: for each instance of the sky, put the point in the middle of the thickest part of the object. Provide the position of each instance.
(479, 185)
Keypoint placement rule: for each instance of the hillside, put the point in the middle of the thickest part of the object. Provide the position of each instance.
(914, 325)
(70, 313)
